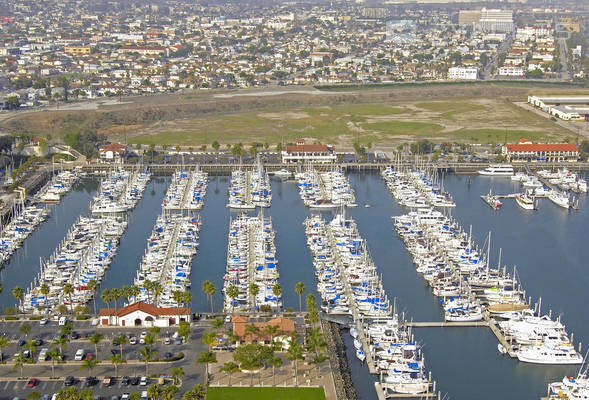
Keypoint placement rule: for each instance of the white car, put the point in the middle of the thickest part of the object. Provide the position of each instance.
(79, 355)
(144, 395)
(43, 321)
(143, 381)
(133, 340)
(125, 396)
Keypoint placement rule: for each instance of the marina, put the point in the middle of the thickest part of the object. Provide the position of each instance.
(57, 186)
(325, 190)
(443, 346)
(249, 189)
(187, 190)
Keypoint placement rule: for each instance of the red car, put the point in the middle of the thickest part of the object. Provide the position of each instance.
(88, 356)
(32, 382)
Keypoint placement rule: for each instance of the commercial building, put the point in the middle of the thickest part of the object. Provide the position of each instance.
(526, 151)
(144, 315)
(77, 50)
(495, 21)
(567, 108)
(468, 17)
(512, 71)
(464, 73)
(315, 153)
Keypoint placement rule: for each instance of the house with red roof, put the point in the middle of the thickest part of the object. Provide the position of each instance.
(112, 152)
(526, 151)
(142, 314)
(285, 327)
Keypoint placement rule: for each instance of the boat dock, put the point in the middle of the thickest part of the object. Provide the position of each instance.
(444, 324)
(383, 395)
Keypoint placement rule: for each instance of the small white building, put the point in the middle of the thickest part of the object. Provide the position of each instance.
(144, 315)
(463, 73)
(112, 152)
(512, 71)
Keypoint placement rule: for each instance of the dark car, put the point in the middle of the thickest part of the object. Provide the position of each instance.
(38, 342)
(20, 343)
(69, 381)
(178, 340)
(168, 355)
(134, 381)
(75, 335)
(58, 336)
(125, 380)
(114, 352)
(90, 381)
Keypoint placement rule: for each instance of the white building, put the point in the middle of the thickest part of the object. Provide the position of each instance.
(301, 152)
(144, 315)
(512, 71)
(467, 73)
(495, 21)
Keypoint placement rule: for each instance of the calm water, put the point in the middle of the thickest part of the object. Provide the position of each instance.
(547, 246)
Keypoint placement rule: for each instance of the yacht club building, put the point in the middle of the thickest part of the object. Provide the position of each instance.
(526, 151)
(315, 153)
(144, 315)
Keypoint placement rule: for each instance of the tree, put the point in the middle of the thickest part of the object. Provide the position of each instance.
(184, 330)
(86, 394)
(275, 361)
(70, 393)
(95, 339)
(229, 368)
(44, 289)
(169, 392)
(300, 289)
(232, 292)
(68, 290)
(134, 396)
(177, 296)
(60, 341)
(218, 323)
(254, 290)
(206, 358)
(154, 392)
(197, 393)
(18, 293)
(150, 339)
(12, 102)
(277, 290)
(4, 342)
(294, 353)
(147, 354)
(121, 340)
(19, 362)
(216, 147)
(116, 360)
(105, 297)
(209, 289)
(252, 330)
(33, 396)
(54, 356)
(25, 329)
(32, 347)
(177, 373)
(89, 363)
(315, 341)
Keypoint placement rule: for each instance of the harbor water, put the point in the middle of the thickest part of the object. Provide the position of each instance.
(547, 246)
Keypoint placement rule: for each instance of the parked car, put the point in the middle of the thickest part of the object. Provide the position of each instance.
(107, 381)
(26, 354)
(144, 395)
(38, 342)
(125, 380)
(168, 355)
(167, 340)
(32, 382)
(178, 340)
(79, 354)
(144, 381)
(62, 321)
(69, 381)
(43, 354)
(88, 356)
(75, 335)
(134, 381)
(20, 343)
(125, 396)
(43, 321)
(90, 381)
(133, 340)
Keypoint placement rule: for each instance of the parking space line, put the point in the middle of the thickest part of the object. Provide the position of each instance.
(7, 384)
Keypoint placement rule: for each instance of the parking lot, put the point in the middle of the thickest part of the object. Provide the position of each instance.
(11, 386)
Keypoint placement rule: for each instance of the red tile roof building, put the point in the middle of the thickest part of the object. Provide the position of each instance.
(112, 151)
(541, 152)
(301, 152)
(144, 314)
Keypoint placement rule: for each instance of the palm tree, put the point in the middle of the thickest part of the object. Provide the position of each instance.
(115, 295)
(60, 341)
(315, 341)
(272, 331)
(32, 347)
(147, 354)
(70, 393)
(177, 373)
(157, 290)
(206, 358)
(93, 285)
(275, 361)
(19, 363)
(54, 356)
(232, 292)
(300, 289)
(177, 296)
(68, 290)
(209, 289)
(229, 368)
(277, 290)
(44, 289)
(154, 392)
(133, 292)
(253, 330)
(120, 341)
(25, 329)
(294, 353)
(197, 393)
(150, 339)
(186, 297)
(169, 392)
(116, 360)
(18, 293)
(125, 292)
(95, 339)
(105, 297)
(4, 342)
(254, 290)
(86, 394)
(88, 364)
(218, 323)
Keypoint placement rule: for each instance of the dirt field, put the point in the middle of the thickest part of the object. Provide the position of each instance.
(380, 116)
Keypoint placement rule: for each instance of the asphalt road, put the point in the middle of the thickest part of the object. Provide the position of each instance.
(11, 386)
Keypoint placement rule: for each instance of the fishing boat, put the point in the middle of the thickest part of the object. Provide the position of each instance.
(559, 198)
(492, 201)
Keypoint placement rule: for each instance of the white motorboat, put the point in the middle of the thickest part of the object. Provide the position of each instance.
(548, 354)
(281, 173)
(497, 170)
(525, 201)
(559, 198)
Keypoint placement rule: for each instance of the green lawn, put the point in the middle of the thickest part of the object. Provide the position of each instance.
(404, 128)
(501, 135)
(264, 393)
